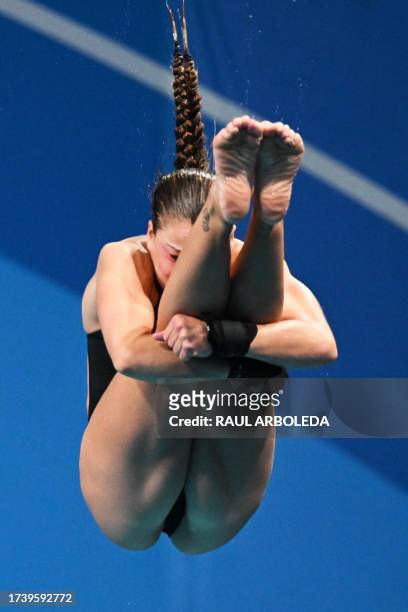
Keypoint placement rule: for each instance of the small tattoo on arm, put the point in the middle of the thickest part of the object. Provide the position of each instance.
(206, 220)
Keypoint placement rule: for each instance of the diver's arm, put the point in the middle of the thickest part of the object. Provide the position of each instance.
(147, 359)
(293, 343)
(121, 302)
(302, 337)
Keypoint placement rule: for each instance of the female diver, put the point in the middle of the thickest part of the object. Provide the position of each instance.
(143, 312)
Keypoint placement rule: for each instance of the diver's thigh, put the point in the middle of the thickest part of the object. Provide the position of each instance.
(225, 485)
(129, 477)
(227, 477)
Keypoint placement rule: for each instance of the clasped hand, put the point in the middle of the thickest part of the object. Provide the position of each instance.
(186, 336)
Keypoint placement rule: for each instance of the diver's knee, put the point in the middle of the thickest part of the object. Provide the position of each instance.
(200, 535)
(125, 531)
(202, 541)
(126, 527)
(131, 539)
(227, 517)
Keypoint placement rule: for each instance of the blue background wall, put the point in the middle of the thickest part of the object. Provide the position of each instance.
(81, 144)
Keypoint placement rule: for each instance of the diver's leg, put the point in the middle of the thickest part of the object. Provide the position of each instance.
(257, 275)
(256, 292)
(129, 477)
(225, 485)
(200, 281)
(227, 478)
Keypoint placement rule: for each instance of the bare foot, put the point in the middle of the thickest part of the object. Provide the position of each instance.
(235, 151)
(278, 161)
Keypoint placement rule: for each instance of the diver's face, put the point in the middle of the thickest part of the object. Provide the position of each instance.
(166, 245)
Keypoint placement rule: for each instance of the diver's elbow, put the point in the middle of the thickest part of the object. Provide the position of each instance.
(330, 352)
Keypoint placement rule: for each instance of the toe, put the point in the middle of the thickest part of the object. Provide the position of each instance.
(254, 128)
(231, 130)
(267, 125)
(239, 121)
(273, 129)
(245, 123)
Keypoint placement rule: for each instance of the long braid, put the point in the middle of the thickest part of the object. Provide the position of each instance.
(194, 102)
(184, 147)
(190, 137)
(183, 192)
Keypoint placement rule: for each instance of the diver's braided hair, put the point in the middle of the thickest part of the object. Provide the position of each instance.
(190, 137)
(181, 101)
(183, 192)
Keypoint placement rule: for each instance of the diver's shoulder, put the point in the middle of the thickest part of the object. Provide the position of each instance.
(136, 243)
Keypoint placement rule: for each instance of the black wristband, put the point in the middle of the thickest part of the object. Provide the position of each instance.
(230, 338)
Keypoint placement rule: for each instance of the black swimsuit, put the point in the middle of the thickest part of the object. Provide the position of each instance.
(101, 372)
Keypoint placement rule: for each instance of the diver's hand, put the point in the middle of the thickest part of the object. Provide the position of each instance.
(186, 336)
